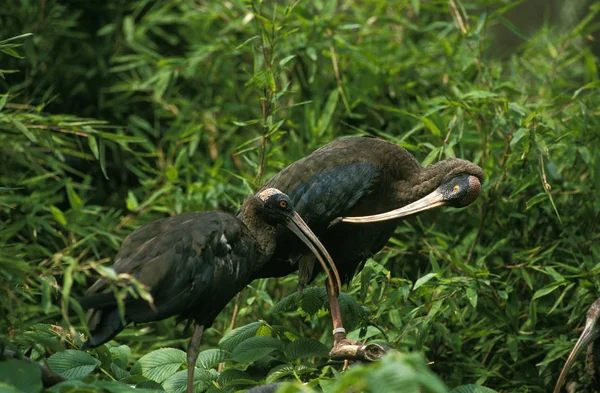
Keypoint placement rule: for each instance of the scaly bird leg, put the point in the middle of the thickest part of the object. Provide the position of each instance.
(192, 355)
(339, 333)
(344, 349)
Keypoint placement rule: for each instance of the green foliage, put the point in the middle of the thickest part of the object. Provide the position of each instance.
(118, 113)
(72, 364)
(21, 376)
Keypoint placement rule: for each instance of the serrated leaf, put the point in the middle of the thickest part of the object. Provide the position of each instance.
(212, 357)
(313, 299)
(264, 330)
(231, 375)
(177, 383)
(161, 364)
(352, 312)
(232, 338)
(73, 364)
(290, 302)
(284, 370)
(255, 348)
(22, 375)
(118, 373)
(304, 348)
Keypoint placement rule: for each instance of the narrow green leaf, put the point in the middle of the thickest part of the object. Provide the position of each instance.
(21, 127)
(424, 280)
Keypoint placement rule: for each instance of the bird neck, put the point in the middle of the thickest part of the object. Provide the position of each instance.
(426, 180)
(419, 184)
(263, 231)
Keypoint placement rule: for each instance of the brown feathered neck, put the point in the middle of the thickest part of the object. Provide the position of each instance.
(264, 232)
(425, 180)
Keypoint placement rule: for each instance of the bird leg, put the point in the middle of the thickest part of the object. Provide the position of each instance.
(192, 355)
(339, 333)
(343, 348)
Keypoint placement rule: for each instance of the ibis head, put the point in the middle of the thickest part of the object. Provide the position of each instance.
(456, 183)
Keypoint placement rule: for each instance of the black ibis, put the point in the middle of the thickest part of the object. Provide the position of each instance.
(362, 176)
(193, 264)
(589, 338)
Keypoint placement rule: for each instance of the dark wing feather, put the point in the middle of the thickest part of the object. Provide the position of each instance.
(192, 264)
(319, 197)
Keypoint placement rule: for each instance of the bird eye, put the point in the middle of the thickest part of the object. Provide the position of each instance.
(283, 204)
(455, 189)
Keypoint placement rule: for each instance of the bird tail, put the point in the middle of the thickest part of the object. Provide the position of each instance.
(104, 325)
(103, 318)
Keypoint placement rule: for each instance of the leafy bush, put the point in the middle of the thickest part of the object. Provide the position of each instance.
(113, 114)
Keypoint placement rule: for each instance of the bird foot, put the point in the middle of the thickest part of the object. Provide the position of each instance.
(354, 350)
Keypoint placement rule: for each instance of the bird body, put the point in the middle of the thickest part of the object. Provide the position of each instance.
(360, 176)
(193, 264)
(210, 258)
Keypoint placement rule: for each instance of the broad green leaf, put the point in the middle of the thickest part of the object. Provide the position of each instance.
(255, 348)
(211, 357)
(237, 335)
(229, 376)
(283, 370)
(177, 383)
(304, 348)
(72, 364)
(161, 364)
(313, 299)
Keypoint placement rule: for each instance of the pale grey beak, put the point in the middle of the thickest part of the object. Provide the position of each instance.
(590, 334)
(297, 225)
(430, 201)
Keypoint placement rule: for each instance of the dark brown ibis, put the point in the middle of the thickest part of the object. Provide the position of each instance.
(193, 264)
(362, 176)
(589, 338)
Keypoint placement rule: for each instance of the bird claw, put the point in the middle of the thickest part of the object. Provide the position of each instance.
(353, 350)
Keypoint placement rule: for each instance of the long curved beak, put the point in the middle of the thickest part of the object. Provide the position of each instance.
(429, 201)
(297, 225)
(590, 334)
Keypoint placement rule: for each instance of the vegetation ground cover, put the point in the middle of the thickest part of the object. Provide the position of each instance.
(114, 114)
